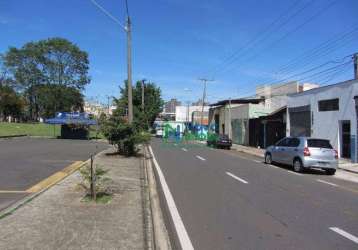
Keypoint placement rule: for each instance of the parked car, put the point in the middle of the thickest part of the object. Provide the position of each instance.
(219, 141)
(304, 153)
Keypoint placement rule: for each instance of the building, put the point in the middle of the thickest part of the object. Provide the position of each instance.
(328, 112)
(170, 106)
(191, 113)
(259, 121)
(95, 108)
(231, 117)
(200, 103)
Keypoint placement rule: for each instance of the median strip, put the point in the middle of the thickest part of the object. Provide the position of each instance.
(345, 234)
(200, 158)
(236, 178)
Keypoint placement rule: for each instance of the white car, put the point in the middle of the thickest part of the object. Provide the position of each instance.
(159, 132)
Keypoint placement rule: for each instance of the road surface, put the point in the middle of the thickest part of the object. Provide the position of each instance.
(228, 200)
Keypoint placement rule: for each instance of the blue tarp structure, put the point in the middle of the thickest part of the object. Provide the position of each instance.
(71, 118)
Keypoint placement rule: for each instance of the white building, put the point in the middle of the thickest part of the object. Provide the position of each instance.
(185, 113)
(327, 112)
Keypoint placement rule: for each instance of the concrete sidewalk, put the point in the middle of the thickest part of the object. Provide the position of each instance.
(342, 164)
(59, 219)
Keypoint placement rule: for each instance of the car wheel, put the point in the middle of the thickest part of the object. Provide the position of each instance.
(268, 159)
(297, 165)
(330, 171)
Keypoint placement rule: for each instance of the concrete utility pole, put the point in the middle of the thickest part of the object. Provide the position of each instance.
(205, 81)
(143, 85)
(128, 29)
(129, 66)
(355, 62)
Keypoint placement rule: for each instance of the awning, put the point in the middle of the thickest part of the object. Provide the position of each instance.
(74, 118)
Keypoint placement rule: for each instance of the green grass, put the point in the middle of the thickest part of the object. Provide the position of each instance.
(102, 198)
(36, 129)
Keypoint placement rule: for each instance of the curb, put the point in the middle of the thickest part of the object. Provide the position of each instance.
(160, 235)
(347, 170)
(11, 136)
(67, 171)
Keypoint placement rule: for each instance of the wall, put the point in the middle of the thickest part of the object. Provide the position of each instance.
(326, 124)
(181, 112)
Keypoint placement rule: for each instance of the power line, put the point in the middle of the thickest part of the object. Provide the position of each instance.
(274, 43)
(108, 14)
(266, 32)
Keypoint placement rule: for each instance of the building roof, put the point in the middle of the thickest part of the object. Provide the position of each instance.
(315, 90)
(237, 101)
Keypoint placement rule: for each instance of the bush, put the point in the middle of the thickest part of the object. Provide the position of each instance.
(123, 135)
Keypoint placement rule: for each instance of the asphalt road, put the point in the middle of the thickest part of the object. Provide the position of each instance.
(26, 161)
(228, 200)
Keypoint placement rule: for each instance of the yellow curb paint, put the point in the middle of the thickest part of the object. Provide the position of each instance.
(12, 192)
(53, 179)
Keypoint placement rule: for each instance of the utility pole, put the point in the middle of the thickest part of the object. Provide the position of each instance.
(355, 62)
(230, 130)
(143, 85)
(205, 81)
(127, 28)
(129, 66)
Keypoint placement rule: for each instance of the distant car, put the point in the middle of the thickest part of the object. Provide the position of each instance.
(159, 132)
(304, 153)
(219, 141)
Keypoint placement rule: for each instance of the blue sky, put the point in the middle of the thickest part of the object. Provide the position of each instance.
(177, 41)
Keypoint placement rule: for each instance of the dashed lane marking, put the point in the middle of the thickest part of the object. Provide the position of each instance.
(200, 158)
(184, 149)
(328, 183)
(236, 177)
(345, 234)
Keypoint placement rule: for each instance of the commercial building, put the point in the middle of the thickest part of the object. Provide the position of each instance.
(328, 112)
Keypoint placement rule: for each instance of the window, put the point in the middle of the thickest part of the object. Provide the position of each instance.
(283, 142)
(318, 143)
(294, 142)
(328, 105)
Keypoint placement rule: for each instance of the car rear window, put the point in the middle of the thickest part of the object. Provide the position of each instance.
(318, 143)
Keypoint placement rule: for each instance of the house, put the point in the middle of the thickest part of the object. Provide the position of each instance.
(231, 117)
(328, 112)
(259, 121)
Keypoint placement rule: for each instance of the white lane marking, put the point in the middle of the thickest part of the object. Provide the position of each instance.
(175, 144)
(257, 161)
(291, 172)
(236, 178)
(183, 236)
(273, 166)
(326, 182)
(345, 234)
(200, 158)
(184, 149)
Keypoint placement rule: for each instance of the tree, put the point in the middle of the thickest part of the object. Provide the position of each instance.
(152, 100)
(11, 104)
(56, 98)
(54, 61)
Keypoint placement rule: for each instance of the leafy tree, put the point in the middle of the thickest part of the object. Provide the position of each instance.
(152, 103)
(56, 98)
(11, 104)
(54, 61)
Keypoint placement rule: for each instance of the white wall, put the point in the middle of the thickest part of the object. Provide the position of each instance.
(181, 112)
(326, 124)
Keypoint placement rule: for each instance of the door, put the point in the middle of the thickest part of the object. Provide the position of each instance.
(291, 150)
(279, 150)
(346, 139)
